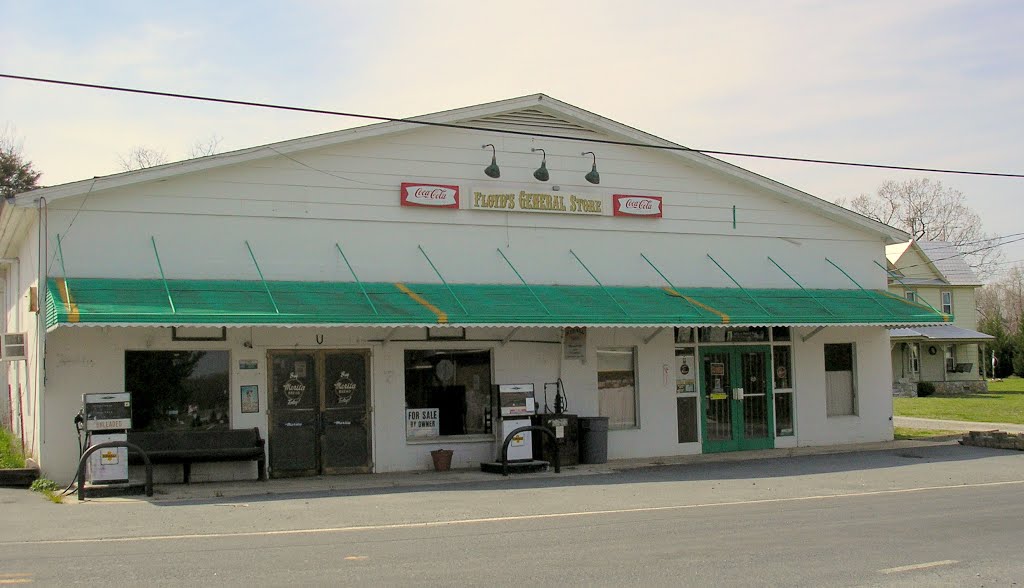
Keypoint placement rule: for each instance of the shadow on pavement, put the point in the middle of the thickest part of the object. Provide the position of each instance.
(649, 472)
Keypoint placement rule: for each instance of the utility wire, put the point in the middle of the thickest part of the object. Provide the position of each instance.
(501, 131)
(972, 252)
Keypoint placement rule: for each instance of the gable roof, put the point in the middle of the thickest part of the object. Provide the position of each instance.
(942, 257)
(950, 263)
(532, 115)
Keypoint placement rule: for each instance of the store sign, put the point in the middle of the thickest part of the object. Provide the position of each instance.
(431, 195)
(422, 422)
(524, 201)
(627, 205)
(574, 343)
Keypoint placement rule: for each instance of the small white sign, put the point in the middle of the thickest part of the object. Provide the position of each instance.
(421, 422)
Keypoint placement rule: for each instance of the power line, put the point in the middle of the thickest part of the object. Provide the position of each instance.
(501, 131)
(964, 253)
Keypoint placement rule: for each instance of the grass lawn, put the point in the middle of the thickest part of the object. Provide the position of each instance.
(1004, 403)
(10, 453)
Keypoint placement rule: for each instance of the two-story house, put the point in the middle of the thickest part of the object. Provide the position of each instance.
(934, 274)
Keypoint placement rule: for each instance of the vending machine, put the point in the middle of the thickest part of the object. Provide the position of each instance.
(517, 406)
(107, 418)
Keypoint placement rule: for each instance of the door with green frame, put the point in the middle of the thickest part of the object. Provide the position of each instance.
(736, 398)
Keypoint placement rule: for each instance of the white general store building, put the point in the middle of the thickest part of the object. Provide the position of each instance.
(363, 274)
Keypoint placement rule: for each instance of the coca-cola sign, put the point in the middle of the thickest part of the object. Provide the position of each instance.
(433, 195)
(629, 205)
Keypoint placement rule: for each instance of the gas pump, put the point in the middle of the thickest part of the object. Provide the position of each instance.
(517, 406)
(107, 418)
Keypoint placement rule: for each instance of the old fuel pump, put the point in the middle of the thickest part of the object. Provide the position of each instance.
(107, 418)
(517, 406)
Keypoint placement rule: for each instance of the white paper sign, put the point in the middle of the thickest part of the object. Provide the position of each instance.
(421, 422)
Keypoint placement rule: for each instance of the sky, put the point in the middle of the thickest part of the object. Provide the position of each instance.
(931, 83)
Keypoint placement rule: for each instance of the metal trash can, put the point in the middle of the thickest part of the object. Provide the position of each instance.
(593, 439)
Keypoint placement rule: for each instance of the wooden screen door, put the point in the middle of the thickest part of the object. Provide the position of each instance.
(319, 412)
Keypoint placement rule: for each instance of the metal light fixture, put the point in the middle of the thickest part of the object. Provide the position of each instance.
(492, 170)
(542, 172)
(593, 177)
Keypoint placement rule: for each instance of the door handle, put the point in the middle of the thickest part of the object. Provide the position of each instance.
(737, 393)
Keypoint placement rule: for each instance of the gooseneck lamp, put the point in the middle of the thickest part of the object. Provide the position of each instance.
(542, 172)
(593, 177)
(492, 170)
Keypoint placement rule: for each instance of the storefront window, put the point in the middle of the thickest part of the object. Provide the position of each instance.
(616, 387)
(456, 383)
(178, 389)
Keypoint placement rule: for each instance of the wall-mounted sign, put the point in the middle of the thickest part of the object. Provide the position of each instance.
(574, 343)
(629, 205)
(248, 364)
(523, 201)
(421, 422)
(431, 195)
(250, 398)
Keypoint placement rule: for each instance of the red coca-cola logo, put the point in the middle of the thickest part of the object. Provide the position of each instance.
(432, 195)
(630, 205)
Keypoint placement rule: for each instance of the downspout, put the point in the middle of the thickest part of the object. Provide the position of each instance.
(39, 373)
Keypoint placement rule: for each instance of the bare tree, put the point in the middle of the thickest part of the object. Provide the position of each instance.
(141, 157)
(931, 211)
(205, 147)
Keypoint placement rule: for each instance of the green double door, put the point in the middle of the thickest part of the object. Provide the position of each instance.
(736, 398)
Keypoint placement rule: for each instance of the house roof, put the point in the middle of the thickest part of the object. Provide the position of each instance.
(528, 112)
(949, 262)
(942, 257)
(939, 333)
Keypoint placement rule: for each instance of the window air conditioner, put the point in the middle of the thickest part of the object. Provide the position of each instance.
(15, 346)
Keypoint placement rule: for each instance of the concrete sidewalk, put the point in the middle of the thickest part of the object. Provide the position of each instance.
(364, 482)
(939, 424)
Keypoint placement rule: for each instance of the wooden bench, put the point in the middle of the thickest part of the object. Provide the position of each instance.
(195, 445)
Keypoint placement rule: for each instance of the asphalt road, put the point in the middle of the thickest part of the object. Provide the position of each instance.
(938, 516)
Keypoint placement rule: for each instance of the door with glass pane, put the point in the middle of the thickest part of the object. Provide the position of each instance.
(345, 415)
(736, 398)
(319, 412)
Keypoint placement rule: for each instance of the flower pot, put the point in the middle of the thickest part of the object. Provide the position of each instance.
(442, 459)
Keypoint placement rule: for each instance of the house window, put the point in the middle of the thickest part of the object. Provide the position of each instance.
(950, 351)
(616, 386)
(178, 389)
(947, 302)
(911, 295)
(840, 387)
(915, 357)
(455, 382)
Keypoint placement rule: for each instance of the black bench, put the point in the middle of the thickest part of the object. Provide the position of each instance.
(196, 445)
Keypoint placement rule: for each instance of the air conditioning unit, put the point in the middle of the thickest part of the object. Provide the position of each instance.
(15, 346)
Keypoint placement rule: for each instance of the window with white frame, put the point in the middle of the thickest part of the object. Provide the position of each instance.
(950, 351)
(947, 302)
(616, 386)
(782, 391)
(911, 295)
(840, 384)
(914, 351)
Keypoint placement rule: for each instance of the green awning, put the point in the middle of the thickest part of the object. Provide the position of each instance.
(123, 302)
